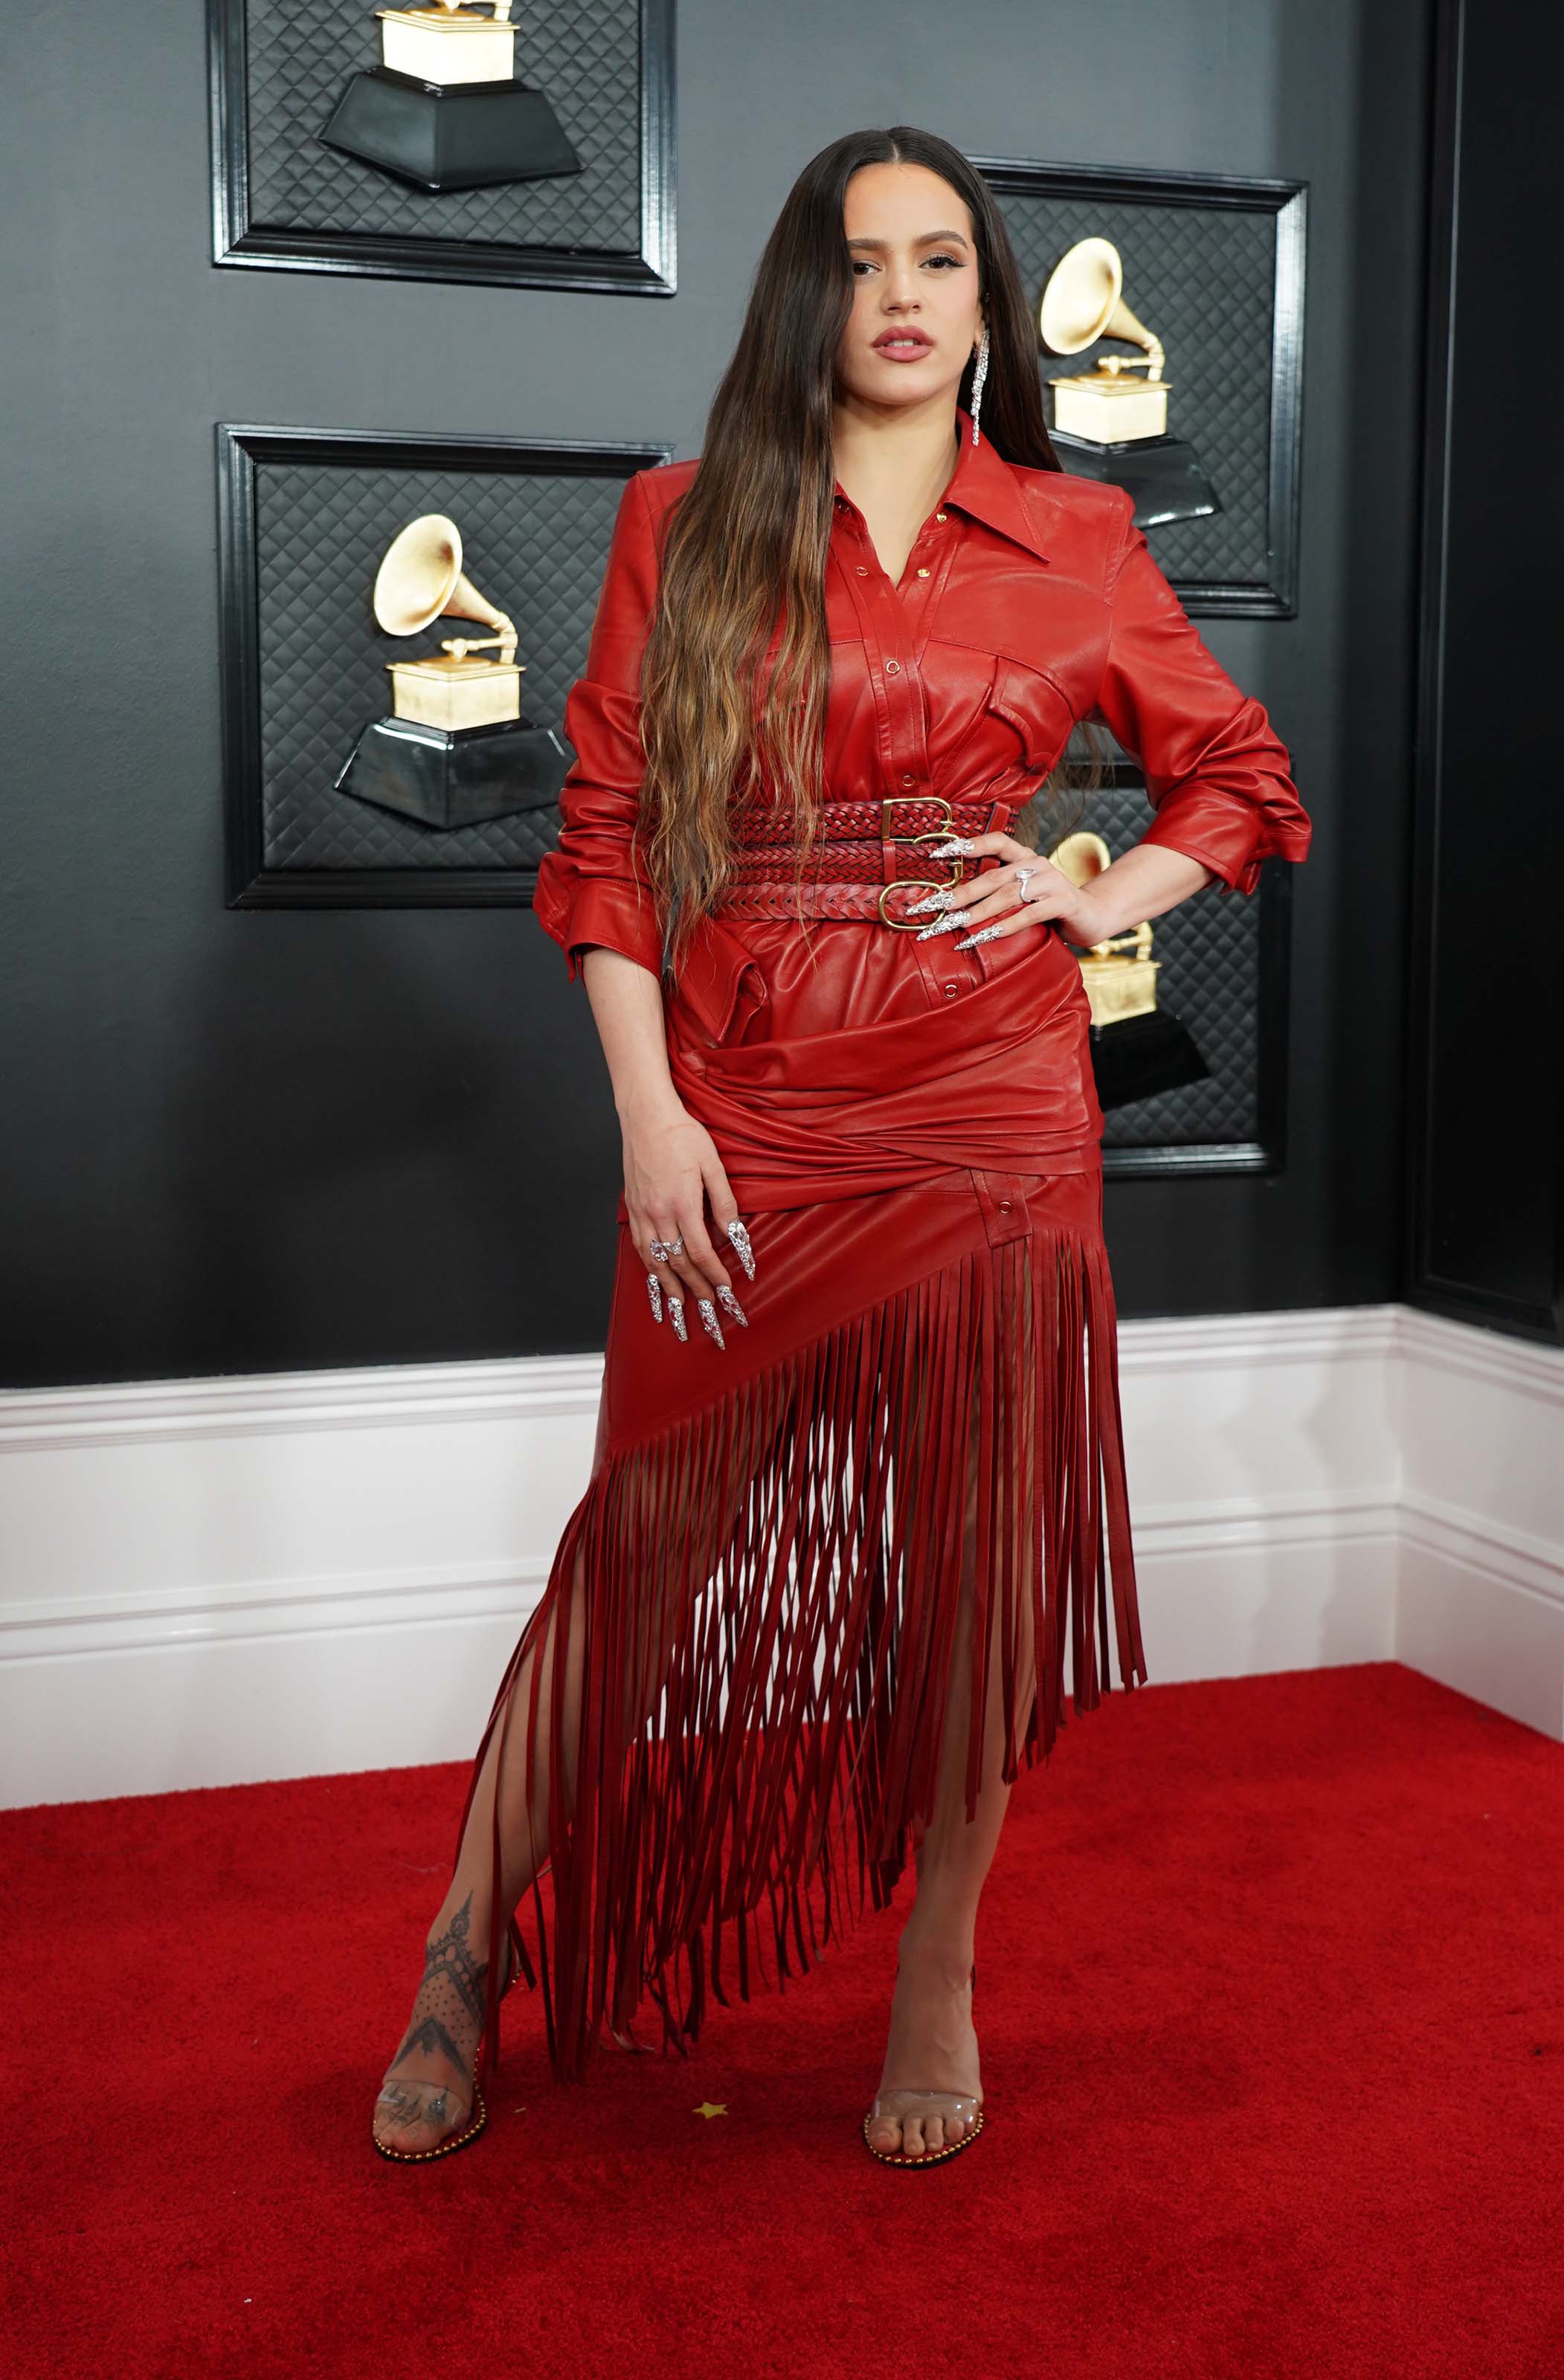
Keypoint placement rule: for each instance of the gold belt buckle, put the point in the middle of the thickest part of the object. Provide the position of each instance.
(917, 884)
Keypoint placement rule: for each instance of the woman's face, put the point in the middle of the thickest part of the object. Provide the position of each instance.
(916, 317)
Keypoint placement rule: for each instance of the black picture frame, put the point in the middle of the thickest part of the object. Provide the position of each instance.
(1266, 1153)
(242, 450)
(648, 271)
(1275, 596)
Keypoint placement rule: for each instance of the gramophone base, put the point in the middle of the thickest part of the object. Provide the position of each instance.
(461, 136)
(448, 777)
(1161, 474)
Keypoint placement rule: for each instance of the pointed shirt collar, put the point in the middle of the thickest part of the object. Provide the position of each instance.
(986, 486)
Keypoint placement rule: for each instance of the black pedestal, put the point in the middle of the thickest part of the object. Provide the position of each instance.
(448, 777)
(1138, 1056)
(1162, 474)
(451, 137)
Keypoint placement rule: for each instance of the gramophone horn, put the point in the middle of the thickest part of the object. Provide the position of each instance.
(421, 578)
(1083, 302)
(1082, 855)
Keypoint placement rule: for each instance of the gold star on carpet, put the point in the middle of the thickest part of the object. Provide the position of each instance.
(708, 2109)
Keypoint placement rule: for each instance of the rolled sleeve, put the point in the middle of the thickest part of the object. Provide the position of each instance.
(592, 889)
(1216, 772)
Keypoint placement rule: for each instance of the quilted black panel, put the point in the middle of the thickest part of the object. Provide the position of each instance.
(584, 53)
(535, 542)
(1210, 953)
(1203, 279)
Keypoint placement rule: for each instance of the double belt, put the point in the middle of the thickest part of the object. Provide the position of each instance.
(865, 860)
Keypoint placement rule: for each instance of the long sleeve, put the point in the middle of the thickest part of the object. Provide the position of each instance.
(590, 889)
(1216, 771)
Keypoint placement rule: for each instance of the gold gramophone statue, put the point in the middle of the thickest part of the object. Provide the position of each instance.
(421, 579)
(1137, 1049)
(1109, 423)
(445, 108)
(455, 748)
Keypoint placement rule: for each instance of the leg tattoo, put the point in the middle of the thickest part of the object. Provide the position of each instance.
(448, 2011)
(447, 2021)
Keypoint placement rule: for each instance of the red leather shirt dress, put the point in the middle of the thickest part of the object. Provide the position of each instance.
(762, 1579)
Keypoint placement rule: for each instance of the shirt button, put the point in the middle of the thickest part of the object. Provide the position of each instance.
(909, 778)
(1005, 1206)
(951, 990)
(892, 668)
(862, 568)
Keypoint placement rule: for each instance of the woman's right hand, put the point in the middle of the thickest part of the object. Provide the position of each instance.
(672, 1174)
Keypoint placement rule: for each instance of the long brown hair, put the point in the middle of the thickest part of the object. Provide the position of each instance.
(746, 544)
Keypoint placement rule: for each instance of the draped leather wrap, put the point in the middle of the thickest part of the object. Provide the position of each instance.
(897, 1084)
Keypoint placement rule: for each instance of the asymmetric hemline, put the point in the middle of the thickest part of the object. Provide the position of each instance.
(758, 1591)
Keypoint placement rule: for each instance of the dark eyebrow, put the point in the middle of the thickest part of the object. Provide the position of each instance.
(922, 236)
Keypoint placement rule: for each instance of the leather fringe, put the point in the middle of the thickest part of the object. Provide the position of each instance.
(762, 1602)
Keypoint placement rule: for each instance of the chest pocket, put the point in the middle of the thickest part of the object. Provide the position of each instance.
(1028, 701)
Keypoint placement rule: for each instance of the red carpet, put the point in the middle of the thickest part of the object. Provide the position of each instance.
(1273, 2031)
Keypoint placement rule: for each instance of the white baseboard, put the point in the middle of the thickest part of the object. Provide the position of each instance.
(1479, 1582)
(212, 1582)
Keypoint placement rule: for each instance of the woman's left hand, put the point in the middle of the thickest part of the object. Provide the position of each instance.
(1025, 890)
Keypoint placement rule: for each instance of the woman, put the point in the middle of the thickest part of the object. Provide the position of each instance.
(859, 1449)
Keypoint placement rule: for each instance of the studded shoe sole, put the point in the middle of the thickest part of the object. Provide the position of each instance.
(929, 2156)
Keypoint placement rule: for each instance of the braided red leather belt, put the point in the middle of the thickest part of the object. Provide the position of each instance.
(869, 859)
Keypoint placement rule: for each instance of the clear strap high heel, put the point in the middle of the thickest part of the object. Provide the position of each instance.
(951, 2107)
(431, 2109)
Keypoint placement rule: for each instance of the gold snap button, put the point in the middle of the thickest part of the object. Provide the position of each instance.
(892, 668)
(923, 574)
(909, 778)
(862, 568)
(1005, 1206)
(939, 516)
(951, 990)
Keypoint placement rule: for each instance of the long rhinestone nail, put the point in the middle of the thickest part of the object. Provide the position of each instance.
(945, 925)
(960, 846)
(730, 1305)
(742, 1248)
(654, 1291)
(938, 900)
(676, 1316)
(708, 1321)
(988, 934)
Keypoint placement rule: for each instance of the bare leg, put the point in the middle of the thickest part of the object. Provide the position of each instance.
(427, 2088)
(932, 2045)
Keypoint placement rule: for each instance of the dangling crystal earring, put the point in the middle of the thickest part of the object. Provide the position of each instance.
(979, 377)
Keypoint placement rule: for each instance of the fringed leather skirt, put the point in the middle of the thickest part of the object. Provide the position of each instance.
(757, 1593)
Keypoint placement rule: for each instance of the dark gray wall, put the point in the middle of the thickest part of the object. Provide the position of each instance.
(244, 1141)
(1486, 1127)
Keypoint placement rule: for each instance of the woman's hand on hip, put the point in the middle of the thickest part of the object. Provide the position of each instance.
(1024, 890)
(672, 1174)
(1027, 890)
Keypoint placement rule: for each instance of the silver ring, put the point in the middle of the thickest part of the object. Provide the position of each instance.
(664, 1251)
(1023, 877)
